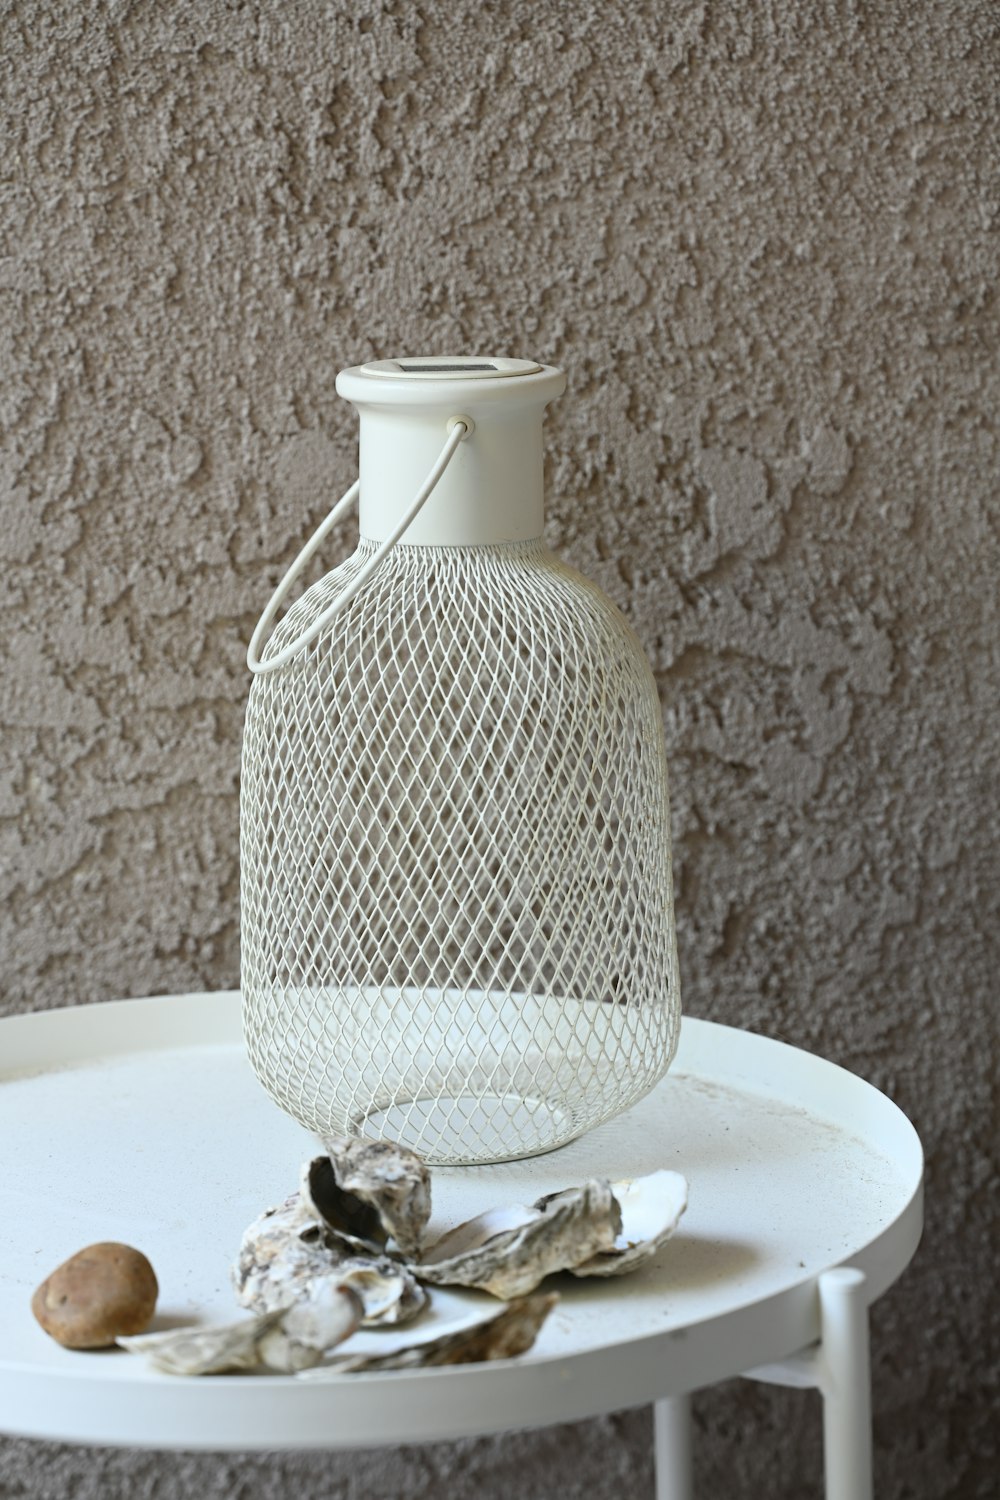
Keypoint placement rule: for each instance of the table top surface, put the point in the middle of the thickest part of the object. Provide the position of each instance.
(141, 1121)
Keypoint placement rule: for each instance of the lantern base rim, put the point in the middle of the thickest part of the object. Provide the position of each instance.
(413, 1121)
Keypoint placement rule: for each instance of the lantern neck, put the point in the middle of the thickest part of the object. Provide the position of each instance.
(492, 490)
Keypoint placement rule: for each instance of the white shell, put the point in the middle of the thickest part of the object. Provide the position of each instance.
(508, 1251)
(651, 1210)
(506, 1334)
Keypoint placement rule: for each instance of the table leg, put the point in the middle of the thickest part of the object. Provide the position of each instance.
(672, 1448)
(846, 1386)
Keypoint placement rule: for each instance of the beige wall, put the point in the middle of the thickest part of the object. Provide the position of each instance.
(762, 239)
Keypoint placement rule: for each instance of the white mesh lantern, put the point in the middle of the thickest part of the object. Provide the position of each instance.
(456, 892)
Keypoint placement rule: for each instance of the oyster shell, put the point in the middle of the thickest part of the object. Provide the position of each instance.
(651, 1210)
(510, 1332)
(286, 1341)
(508, 1251)
(212, 1350)
(278, 1256)
(340, 1212)
(391, 1294)
(287, 1250)
(388, 1178)
(320, 1320)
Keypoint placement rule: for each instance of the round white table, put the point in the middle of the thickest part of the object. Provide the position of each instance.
(141, 1121)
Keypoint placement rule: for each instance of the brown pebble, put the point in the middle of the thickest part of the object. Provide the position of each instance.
(99, 1293)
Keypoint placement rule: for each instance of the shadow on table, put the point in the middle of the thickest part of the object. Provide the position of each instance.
(164, 1321)
(687, 1263)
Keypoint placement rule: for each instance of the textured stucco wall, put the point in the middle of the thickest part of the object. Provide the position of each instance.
(763, 242)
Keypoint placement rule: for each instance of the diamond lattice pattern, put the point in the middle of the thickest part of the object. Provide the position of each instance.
(457, 921)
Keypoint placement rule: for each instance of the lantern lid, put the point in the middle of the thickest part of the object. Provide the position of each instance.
(436, 379)
(441, 366)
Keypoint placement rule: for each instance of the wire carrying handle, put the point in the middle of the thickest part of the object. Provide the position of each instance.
(458, 429)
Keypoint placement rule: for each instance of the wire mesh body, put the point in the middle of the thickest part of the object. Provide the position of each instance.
(456, 889)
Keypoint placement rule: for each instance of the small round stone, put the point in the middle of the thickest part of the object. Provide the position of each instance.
(100, 1292)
